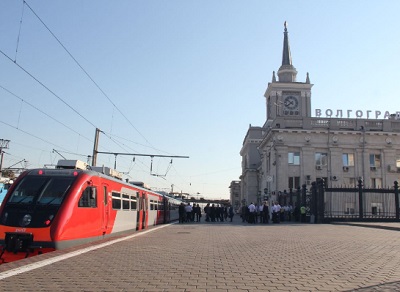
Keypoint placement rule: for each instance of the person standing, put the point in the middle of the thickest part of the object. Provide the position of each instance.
(245, 211)
(197, 212)
(212, 213)
(252, 210)
(182, 213)
(231, 212)
(188, 210)
(207, 211)
(303, 214)
(265, 213)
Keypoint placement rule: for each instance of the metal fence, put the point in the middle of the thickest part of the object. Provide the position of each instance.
(351, 204)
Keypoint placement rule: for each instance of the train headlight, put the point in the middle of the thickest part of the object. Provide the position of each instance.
(26, 220)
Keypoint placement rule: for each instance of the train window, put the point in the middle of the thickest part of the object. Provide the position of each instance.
(124, 196)
(133, 204)
(151, 205)
(54, 191)
(116, 201)
(41, 189)
(105, 195)
(125, 205)
(116, 204)
(88, 198)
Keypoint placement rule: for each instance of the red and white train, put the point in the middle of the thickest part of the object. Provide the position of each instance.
(49, 209)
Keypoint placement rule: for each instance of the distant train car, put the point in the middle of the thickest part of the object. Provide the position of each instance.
(49, 209)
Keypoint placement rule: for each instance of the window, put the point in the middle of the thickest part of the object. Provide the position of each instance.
(133, 203)
(321, 159)
(375, 160)
(398, 162)
(294, 158)
(125, 202)
(116, 201)
(376, 183)
(42, 190)
(88, 198)
(294, 182)
(348, 159)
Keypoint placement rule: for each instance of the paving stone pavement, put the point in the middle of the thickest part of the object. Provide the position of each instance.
(224, 257)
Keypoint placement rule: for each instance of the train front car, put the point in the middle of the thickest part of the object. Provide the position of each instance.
(29, 210)
(49, 209)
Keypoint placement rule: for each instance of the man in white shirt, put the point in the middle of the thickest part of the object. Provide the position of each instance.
(188, 209)
(252, 210)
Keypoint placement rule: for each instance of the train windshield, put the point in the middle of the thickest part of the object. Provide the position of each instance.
(41, 190)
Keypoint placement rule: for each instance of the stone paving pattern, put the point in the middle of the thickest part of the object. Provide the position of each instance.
(228, 257)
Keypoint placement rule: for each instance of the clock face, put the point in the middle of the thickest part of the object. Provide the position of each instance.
(291, 102)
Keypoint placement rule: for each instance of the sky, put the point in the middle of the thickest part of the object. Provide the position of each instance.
(179, 78)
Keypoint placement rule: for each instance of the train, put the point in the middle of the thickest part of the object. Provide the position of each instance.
(49, 209)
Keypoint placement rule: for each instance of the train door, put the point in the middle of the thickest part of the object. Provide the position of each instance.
(145, 210)
(166, 210)
(139, 211)
(106, 211)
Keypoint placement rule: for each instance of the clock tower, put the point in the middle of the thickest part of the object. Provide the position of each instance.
(286, 96)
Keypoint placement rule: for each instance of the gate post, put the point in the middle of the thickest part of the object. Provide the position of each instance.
(314, 201)
(321, 201)
(360, 199)
(396, 199)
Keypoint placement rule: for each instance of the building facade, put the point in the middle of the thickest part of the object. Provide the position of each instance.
(293, 148)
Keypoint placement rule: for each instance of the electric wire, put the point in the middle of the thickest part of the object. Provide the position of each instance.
(86, 73)
(19, 32)
(57, 96)
(44, 113)
(47, 88)
(32, 135)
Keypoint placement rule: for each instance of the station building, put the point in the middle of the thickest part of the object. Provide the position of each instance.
(293, 148)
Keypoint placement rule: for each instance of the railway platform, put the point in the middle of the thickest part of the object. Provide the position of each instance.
(221, 257)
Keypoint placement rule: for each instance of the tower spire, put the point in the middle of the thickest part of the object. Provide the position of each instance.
(286, 56)
(287, 72)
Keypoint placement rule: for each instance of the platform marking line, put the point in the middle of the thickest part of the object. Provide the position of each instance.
(33, 266)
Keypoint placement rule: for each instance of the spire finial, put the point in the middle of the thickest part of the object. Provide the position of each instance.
(286, 73)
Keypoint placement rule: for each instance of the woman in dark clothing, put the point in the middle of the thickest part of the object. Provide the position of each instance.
(212, 213)
(265, 213)
(197, 211)
(231, 213)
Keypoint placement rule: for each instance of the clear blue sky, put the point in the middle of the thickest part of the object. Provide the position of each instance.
(187, 76)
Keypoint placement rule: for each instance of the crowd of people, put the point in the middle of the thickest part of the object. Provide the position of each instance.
(213, 213)
(262, 213)
(253, 213)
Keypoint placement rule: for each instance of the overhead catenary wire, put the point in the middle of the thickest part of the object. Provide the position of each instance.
(41, 111)
(58, 96)
(19, 32)
(47, 88)
(86, 73)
